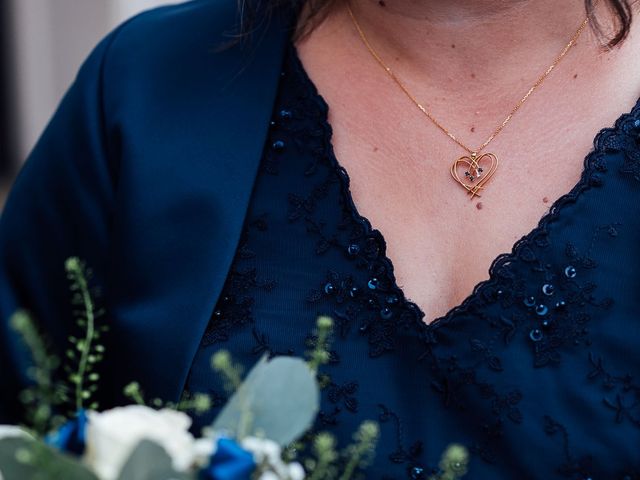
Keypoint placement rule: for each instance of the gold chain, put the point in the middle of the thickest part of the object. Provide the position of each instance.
(432, 118)
(478, 167)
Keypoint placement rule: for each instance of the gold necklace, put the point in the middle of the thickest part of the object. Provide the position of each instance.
(479, 167)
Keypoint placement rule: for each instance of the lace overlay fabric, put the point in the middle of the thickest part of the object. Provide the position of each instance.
(537, 372)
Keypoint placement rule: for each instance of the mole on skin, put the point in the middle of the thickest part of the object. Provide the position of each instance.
(381, 3)
(479, 205)
(545, 200)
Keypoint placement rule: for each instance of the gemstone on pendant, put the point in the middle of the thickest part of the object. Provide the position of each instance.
(467, 171)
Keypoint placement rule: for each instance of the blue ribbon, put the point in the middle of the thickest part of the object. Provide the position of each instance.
(229, 462)
(71, 437)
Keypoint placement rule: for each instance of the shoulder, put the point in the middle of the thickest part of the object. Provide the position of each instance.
(170, 35)
(170, 42)
(177, 50)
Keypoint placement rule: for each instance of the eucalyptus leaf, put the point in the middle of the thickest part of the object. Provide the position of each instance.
(278, 399)
(28, 459)
(149, 461)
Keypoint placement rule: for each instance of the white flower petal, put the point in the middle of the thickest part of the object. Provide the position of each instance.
(113, 435)
(203, 448)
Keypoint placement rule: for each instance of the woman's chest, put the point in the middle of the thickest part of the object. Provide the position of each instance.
(529, 368)
(400, 163)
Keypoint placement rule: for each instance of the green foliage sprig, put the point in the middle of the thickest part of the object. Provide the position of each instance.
(199, 403)
(231, 372)
(360, 453)
(326, 462)
(453, 464)
(40, 398)
(47, 395)
(326, 456)
(87, 350)
(320, 352)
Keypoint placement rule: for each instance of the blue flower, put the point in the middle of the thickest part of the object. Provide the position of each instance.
(229, 462)
(71, 437)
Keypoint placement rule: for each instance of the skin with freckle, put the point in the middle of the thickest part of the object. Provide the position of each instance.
(501, 48)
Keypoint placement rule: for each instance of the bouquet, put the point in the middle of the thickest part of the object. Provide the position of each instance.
(263, 432)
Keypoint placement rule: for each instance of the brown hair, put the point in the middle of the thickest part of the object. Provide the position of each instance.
(316, 10)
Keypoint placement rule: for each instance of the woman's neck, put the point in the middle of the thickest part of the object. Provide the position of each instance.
(455, 41)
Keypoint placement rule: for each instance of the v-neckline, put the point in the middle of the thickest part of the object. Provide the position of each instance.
(585, 182)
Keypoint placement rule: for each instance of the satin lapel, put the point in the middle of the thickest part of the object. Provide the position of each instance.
(182, 201)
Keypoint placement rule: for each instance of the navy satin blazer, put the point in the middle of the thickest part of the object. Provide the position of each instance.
(145, 172)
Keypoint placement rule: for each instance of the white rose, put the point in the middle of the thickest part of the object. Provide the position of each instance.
(113, 435)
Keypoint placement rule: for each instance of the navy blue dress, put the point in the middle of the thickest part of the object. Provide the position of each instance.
(537, 372)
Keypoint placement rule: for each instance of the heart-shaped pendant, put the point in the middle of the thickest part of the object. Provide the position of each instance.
(477, 170)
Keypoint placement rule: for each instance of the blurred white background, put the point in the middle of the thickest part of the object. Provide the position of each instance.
(47, 40)
(50, 40)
